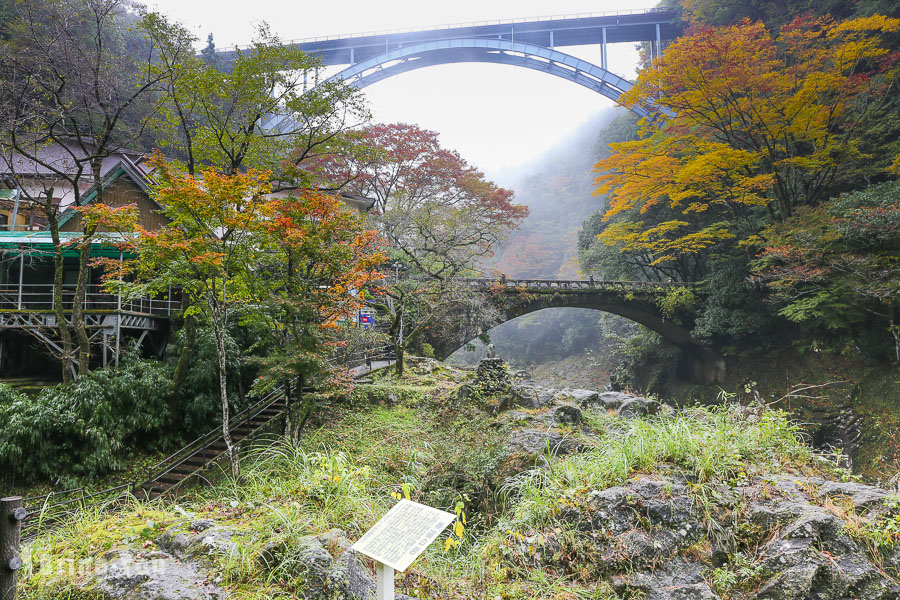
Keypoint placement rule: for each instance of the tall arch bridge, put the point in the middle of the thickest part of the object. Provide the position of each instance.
(530, 43)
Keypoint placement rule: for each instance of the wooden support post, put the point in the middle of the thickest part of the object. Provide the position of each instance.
(384, 582)
(11, 516)
(21, 271)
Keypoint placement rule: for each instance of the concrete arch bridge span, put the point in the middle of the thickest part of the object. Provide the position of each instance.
(497, 51)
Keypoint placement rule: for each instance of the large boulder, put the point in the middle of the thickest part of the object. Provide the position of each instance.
(583, 398)
(201, 538)
(329, 568)
(152, 575)
(566, 414)
(635, 407)
(539, 442)
(529, 395)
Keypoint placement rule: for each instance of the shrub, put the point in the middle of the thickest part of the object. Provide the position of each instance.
(81, 429)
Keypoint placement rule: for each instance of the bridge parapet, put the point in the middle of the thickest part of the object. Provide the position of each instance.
(638, 301)
(580, 285)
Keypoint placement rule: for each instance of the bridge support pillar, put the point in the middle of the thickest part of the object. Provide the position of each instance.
(603, 50)
(658, 41)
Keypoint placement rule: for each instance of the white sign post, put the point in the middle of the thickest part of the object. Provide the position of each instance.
(396, 540)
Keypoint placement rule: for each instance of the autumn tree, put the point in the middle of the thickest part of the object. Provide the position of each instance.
(838, 266)
(440, 218)
(79, 86)
(314, 252)
(751, 127)
(259, 108)
(208, 250)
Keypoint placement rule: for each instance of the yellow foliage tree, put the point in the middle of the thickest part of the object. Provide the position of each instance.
(750, 123)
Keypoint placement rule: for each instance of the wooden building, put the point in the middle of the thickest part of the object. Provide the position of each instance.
(125, 183)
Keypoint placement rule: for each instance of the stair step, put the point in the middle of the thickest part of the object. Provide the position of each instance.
(173, 477)
(184, 469)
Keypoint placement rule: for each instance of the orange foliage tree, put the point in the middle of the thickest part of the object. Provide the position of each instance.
(752, 125)
(315, 252)
(287, 263)
(206, 250)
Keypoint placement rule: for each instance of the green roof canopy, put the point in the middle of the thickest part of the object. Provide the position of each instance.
(40, 242)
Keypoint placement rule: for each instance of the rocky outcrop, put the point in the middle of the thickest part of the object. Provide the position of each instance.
(152, 575)
(658, 538)
(662, 537)
(175, 566)
(330, 570)
(172, 568)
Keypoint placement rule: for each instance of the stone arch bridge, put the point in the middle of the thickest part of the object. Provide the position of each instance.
(637, 301)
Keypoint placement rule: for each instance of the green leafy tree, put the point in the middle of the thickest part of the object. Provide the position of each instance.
(77, 90)
(839, 265)
(219, 115)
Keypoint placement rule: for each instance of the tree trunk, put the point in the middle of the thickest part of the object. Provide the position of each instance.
(291, 415)
(219, 330)
(398, 362)
(184, 359)
(395, 333)
(58, 310)
(84, 343)
(895, 331)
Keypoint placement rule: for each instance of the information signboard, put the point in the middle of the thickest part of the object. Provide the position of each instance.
(366, 319)
(403, 533)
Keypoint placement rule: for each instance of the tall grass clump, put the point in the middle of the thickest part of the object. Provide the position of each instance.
(705, 444)
(319, 488)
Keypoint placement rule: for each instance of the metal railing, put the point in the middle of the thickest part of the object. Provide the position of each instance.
(572, 284)
(44, 511)
(201, 446)
(39, 297)
(562, 17)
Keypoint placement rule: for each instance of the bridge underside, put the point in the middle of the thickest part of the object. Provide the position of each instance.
(702, 363)
(519, 54)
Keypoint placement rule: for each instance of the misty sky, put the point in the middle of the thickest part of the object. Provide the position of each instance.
(499, 117)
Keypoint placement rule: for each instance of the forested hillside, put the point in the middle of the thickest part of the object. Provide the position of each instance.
(558, 190)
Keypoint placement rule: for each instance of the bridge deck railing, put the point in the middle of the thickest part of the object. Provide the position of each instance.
(572, 284)
(429, 28)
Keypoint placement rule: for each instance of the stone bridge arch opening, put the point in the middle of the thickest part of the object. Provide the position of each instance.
(636, 302)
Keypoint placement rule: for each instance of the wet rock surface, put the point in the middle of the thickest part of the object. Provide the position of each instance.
(662, 537)
(172, 567)
(152, 575)
(331, 570)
